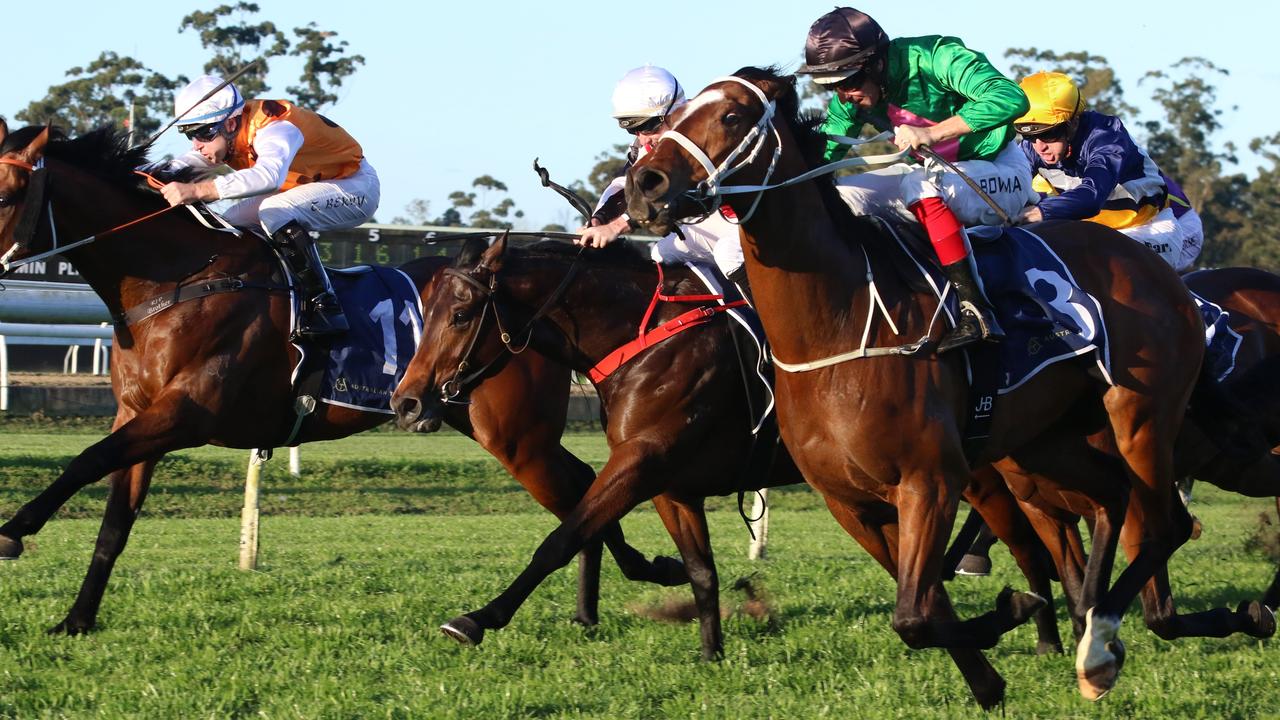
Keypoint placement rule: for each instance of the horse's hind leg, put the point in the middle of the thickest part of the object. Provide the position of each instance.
(687, 523)
(1162, 617)
(1272, 597)
(874, 525)
(988, 494)
(128, 490)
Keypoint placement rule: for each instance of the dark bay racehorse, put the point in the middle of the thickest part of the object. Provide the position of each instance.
(216, 370)
(887, 427)
(679, 424)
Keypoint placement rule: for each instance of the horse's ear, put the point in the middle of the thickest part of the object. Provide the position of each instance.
(35, 149)
(4, 129)
(492, 258)
(470, 253)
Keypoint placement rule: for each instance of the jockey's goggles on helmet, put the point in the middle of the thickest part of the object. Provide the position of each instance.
(637, 125)
(202, 133)
(1046, 133)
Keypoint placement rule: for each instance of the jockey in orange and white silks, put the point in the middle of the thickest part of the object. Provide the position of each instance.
(642, 100)
(1089, 168)
(295, 171)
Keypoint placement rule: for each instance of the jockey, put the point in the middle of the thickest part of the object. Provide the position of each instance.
(1089, 168)
(641, 102)
(941, 94)
(299, 171)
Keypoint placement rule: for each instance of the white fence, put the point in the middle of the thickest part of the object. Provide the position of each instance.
(34, 312)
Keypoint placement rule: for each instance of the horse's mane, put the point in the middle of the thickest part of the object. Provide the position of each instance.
(623, 254)
(103, 152)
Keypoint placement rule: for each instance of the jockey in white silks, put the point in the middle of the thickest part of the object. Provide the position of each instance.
(642, 100)
(297, 172)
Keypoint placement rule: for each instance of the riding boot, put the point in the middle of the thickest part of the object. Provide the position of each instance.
(739, 278)
(321, 314)
(977, 318)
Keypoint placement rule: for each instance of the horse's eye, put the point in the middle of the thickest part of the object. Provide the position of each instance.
(6, 201)
(459, 318)
(730, 119)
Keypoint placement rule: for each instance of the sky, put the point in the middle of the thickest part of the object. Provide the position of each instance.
(452, 91)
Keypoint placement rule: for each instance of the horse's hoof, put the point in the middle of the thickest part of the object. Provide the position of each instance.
(1099, 656)
(1026, 604)
(974, 566)
(585, 621)
(10, 549)
(1197, 528)
(1048, 648)
(70, 627)
(1261, 621)
(464, 630)
(669, 572)
(992, 697)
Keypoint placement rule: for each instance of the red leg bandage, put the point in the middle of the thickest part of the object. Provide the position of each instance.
(944, 230)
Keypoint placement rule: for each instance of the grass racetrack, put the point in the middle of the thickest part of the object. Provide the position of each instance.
(387, 535)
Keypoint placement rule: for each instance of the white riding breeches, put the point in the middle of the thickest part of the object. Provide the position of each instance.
(713, 240)
(888, 192)
(325, 205)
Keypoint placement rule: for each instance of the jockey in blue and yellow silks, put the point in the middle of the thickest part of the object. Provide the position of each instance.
(1089, 168)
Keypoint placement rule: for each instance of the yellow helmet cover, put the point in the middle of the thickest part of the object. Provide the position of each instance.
(1054, 99)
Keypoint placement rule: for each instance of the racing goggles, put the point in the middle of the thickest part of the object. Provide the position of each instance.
(202, 133)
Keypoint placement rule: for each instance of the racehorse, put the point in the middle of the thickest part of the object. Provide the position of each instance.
(885, 425)
(678, 419)
(216, 369)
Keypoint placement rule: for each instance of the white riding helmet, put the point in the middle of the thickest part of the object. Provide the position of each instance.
(225, 103)
(645, 93)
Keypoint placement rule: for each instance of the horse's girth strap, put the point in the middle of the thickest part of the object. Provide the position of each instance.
(183, 293)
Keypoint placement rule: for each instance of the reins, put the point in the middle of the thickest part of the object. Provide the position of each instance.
(453, 387)
(7, 266)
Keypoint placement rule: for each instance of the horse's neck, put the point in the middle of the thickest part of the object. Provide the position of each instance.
(600, 312)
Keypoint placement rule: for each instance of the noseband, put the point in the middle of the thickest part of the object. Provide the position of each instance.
(451, 389)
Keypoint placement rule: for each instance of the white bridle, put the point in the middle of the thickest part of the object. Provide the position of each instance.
(709, 191)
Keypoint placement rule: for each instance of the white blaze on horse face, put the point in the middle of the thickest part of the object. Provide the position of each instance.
(706, 97)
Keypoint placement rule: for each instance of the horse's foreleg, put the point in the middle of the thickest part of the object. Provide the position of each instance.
(874, 526)
(620, 486)
(989, 496)
(926, 510)
(1161, 614)
(687, 523)
(128, 490)
(151, 434)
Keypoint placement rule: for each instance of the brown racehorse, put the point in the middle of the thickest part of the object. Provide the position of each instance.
(679, 426)
(216, 370)
(888, 426)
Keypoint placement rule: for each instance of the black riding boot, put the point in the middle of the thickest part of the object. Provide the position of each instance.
(739, 278)
(321, 315)
(977, 317)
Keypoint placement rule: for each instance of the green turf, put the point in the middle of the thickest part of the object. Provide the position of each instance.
(340, 621)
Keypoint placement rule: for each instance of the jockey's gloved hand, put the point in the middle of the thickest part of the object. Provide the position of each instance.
(910, 137)
(1030, 214)
(598, 234)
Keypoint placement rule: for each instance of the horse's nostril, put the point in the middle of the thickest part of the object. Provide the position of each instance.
(653, 183)
(407, 408)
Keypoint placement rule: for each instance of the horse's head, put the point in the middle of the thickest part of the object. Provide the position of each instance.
(728, 128)
(23, 180)
(455, 350)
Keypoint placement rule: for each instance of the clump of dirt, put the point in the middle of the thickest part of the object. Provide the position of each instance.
(1265, 538)
(755, 604)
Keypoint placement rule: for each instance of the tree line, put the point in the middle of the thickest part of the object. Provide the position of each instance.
(1240, 214)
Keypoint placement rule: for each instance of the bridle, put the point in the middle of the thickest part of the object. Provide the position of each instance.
(707, 193)
(39, 203)
(464, 376)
